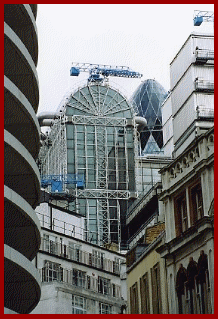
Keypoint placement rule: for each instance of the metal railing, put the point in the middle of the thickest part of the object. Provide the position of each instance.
(141, 229)
(66, 228)
(204, 54)
(148, 189)
(204, 112)
(204, 85)
(80, 256)
(86, 282)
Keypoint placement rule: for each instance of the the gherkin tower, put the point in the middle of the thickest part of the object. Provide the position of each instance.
(149, 97)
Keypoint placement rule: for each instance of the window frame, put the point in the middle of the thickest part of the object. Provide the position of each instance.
(82, 309)
(181, 214)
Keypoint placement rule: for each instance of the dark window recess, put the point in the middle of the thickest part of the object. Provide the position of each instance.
(196, 209)
(181, 217)
(134, 305)
(144, 291)
(156, 289)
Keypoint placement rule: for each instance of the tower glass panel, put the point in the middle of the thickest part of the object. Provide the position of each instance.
(148, 98)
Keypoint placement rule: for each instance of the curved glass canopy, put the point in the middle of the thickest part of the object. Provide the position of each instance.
(99, 100)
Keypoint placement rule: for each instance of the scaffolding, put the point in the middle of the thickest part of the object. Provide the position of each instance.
(95, 136)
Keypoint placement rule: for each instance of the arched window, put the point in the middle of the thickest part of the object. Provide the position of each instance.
(192, 272)
(203, 284)
(181, 278)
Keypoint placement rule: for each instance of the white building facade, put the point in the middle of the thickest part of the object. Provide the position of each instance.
(188, 181)
(78, 277)
(189, 107)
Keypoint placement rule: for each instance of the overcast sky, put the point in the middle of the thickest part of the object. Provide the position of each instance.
(144, 37)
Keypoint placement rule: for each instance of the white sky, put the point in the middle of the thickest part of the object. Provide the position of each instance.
(144, 37)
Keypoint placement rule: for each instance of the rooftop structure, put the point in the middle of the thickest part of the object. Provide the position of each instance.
(94, 136)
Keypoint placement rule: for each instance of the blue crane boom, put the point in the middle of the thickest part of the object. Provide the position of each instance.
(95, 70)
(201, 16)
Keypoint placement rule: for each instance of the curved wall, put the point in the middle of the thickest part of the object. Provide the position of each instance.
(21, 146)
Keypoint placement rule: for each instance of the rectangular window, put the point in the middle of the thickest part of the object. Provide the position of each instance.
(156, 289)
(79, 278)
(181, 218)
(134, 304)
(52, 272)
(78, 305)
(116, 265)
(144, 291)
(104, 308)
(98, 259)
(104, 285)
(50, 244)
(196, 203)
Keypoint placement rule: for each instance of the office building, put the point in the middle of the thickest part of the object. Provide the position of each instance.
(188, 181)
(78, 277)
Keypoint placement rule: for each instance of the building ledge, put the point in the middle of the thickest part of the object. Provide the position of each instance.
(192, 234)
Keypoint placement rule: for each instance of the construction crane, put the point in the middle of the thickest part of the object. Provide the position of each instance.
(99, 73)
(57, 181)
(202, 16)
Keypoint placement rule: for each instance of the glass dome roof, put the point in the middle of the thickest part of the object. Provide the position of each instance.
(148, 98)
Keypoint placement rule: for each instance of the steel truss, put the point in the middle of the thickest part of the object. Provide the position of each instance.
(108, 128)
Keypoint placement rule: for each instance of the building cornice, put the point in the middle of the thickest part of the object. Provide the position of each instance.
(147, 251)
(204, 225)
(82, 241)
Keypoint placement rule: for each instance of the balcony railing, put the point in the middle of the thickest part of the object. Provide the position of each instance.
(147, 190)
(203, 55)
(204, 85)
(66, 228)
(204, 112)
(90, 283)
(80, 256)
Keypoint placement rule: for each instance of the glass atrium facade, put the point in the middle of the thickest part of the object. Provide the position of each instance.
(96, 139)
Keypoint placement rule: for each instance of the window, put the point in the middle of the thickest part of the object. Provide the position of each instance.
(105, 308)
(113, 290)
(50, 244)
(144, 291)
(156, 292)
(74, 251)
(52, 272)
(78, 305)
(103, 286)
(98, 259)
(116, 265)
(79, 278)
(134, 299)
(196, 209)
(116, 291)
(181, 218)
(193, 287)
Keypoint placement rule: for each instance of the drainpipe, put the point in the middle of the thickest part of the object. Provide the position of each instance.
(141, 123)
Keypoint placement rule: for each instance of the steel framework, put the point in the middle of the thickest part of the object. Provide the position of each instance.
(95, 136)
